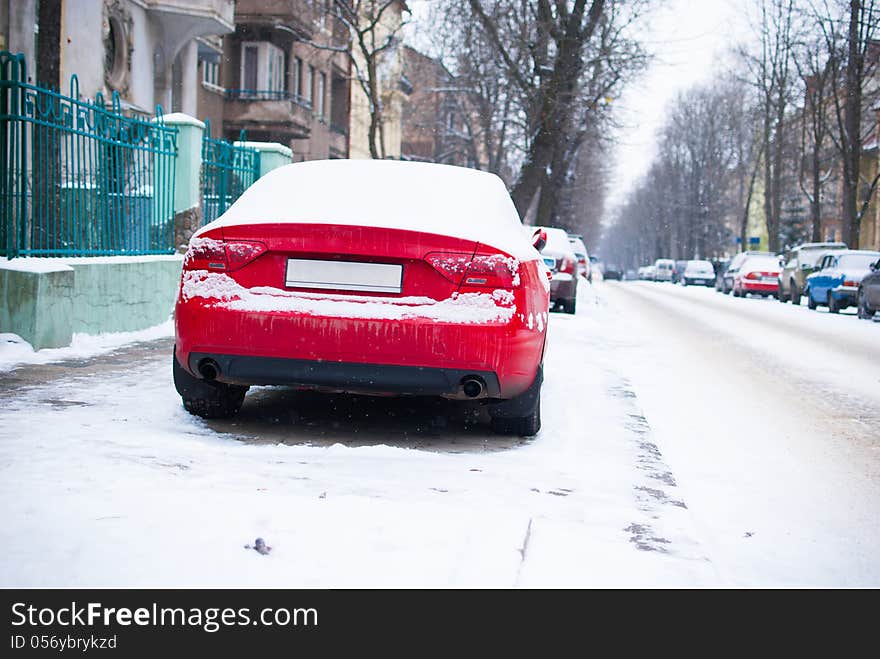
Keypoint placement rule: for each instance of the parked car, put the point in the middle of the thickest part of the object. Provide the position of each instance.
(646, 272)
(697, 272)
(868, 298)
(297, 285)
(612, 271)
(583, 257)
(678, 270)
(758, 275)
(836, 281)
(559, 256)
(630, 275)
(663, 269)
(799, 263)
(726, 279)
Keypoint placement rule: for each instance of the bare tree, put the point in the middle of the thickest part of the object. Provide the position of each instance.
(816, 66)
(850, 31)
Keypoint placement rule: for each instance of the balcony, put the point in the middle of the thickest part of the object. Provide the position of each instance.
(180, 20)
(284, 115)
(295, 16)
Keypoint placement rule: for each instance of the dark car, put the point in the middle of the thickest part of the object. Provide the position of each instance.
(868, 298)
(612, 271)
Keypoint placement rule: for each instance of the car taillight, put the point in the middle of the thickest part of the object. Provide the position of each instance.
(753, 275)
(482, 270)
(567, 265)
(227, 256)
(851, 283)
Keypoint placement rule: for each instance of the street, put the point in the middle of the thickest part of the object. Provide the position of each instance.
(689, 439)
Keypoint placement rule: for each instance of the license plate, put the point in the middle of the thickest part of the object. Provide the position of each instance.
(769, 279)
(344, 275)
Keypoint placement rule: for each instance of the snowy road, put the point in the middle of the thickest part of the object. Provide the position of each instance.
(689, 439)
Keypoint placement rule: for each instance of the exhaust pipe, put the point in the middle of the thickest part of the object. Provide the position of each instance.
(472, 387)
(209, 369)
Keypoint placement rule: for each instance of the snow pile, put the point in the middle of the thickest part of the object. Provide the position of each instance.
(14, 350)
(471, 308)
(438, 199)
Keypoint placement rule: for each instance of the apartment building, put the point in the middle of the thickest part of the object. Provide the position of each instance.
(270, 78)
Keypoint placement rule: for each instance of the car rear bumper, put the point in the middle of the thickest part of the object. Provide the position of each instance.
(848, 293)
(760, 286)
(401, 356)
(346, 376)
(562, 287)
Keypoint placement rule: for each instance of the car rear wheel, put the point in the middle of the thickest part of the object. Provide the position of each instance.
(833, 304)
(863, 310)
(521, 415)
(568, 306)
(780, 294)
(795, 294)
(811, 303)
(209, 400)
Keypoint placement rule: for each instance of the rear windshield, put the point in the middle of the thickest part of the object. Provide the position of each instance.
(857, 261)
(812, 256)
(761, 263)
(700, 266)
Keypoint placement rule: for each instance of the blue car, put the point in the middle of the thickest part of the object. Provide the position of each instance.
(835, 283)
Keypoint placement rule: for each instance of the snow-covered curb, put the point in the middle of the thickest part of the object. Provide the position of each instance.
(15, 351)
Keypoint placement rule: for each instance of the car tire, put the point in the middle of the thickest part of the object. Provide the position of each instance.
(569, 306)
(833, 304)
(811, 303)
(521, 415)
(863, 311)
(209, 400)
(780, 294)
(795, 294)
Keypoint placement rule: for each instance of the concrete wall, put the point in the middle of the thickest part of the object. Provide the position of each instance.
(47, 301)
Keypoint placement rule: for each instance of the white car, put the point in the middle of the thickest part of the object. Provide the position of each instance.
(663, 269)
(698, 272)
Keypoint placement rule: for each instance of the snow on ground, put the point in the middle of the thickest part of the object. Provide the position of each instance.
(637, 479)
(15, 351)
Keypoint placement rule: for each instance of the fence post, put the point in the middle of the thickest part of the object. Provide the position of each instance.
(187, 185)
(272, 155)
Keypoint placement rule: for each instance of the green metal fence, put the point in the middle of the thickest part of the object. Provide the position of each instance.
(227, 170)
(80, 177)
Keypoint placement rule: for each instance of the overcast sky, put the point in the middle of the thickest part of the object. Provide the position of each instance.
(687, 38)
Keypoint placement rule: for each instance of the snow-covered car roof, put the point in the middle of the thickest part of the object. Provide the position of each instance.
(438, 199)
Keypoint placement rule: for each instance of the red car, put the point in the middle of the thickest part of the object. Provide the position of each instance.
(376, 277)
(759, 275)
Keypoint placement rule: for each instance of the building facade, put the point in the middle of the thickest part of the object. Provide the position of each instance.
(144, 50)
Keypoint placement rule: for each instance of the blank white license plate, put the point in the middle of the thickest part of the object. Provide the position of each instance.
(768, 280)
(344, 275)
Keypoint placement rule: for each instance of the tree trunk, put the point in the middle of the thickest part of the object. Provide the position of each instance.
(852, 119)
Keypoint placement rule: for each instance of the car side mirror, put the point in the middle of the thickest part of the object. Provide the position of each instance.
(539, 239)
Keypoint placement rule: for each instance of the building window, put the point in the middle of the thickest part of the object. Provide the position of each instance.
(115, 53)
(322, 90)
(310, 84)
(262, 69)
(211, 74)
(298, 77)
